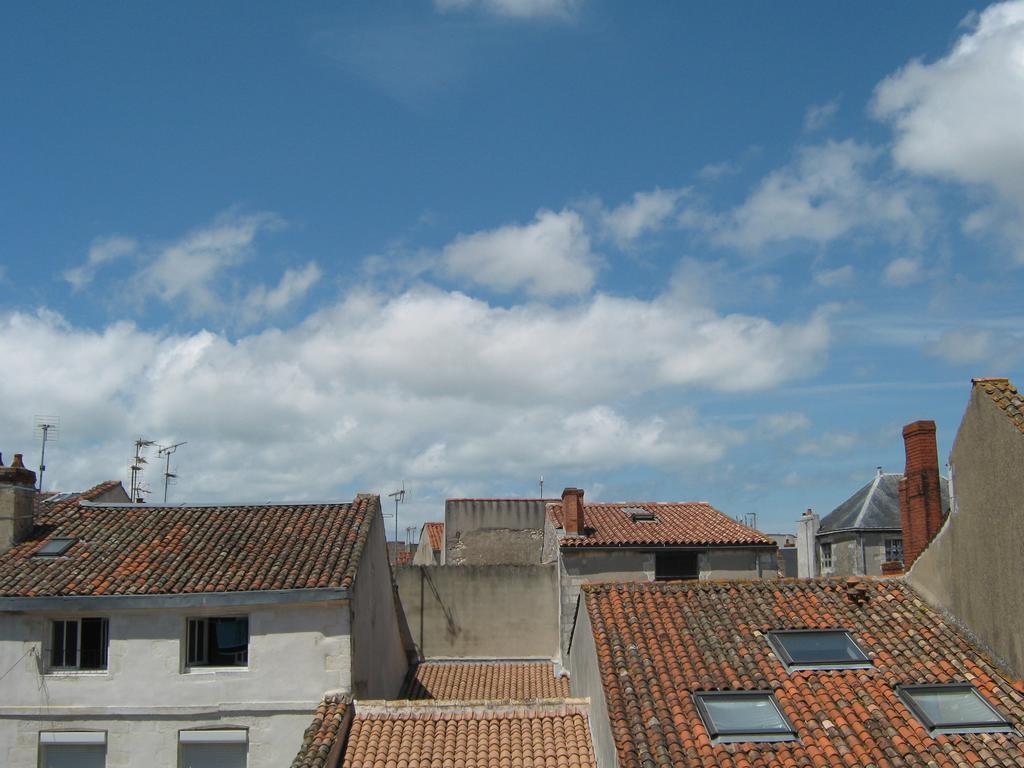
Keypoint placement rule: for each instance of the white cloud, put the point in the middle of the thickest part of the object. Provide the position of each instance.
(358, 393)
(904, 270)
(965, 345)
(780, 424)
(960, 117)
(647, 211)
(827, 193)
(516, 9)
(818, 116)
(102, 251)
(716, 171)
(548, 257)
(831, 278)
(294, 285)
(187, 269)
(829, 444)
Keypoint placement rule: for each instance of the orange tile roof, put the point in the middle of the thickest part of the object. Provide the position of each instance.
(470, 735)
(322, 736)
(485, 680)
(404, 558)
(657, 643)
(685, 523)
(1006, 396)
(47, 511)
(149, 549)
(435, 532)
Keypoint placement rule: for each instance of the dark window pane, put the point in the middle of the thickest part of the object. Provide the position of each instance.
(819, 647)
(219, 642)
(57, 644)
(676, 565)
(94, 644)
(951, 707)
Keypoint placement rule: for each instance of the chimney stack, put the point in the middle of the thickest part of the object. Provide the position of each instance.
(920, 490)
(573, 522)
(17, 502)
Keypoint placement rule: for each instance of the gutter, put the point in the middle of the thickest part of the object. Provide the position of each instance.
(184, 600)
(681, 547)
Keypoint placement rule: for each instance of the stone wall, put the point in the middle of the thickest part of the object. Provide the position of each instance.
(974, 568)
(494, 531)
(498, 611)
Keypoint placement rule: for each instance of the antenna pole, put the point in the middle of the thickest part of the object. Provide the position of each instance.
(542, 486)
(47, 427)
(398, 496)
(166, 452)
(136, 468)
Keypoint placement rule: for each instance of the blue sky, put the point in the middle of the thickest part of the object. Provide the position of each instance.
(719, 251)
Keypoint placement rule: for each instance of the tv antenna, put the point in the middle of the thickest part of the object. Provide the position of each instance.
(138, 464)
(409, 531)
(399, 497)
(166, 451)
(48, 428)
(542, 486)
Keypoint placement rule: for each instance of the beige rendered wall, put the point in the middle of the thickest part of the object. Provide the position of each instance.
(974, 568)
(847, 555)
(379, 661)
(481, 611)
(585, 680)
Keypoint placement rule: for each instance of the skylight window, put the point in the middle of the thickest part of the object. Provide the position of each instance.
(54, 547)
(732, 716)
(640, 515)
(817, 649)
(955, 708)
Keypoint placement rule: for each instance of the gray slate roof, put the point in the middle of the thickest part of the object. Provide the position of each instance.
(876, 506)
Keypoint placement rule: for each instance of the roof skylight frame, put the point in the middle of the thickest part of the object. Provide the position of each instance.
(640, 515)
(785, 732)
(55, 547)
(999, 723)
(775, 640)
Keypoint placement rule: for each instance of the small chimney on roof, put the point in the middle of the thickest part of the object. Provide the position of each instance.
(17, 502)
(573, 521)
(920, 490)
(856, 591)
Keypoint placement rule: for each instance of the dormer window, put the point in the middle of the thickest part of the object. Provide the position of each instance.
(818, 649)
(54, 548)
(731, 716)
(952, 708)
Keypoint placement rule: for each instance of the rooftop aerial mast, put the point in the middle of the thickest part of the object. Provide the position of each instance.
(48, 428)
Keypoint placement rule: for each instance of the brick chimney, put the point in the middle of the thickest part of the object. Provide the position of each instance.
(17, 502)
(920, 490)
(573, 522)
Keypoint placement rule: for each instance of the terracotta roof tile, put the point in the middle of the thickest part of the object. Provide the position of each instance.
(1006, 396)
(149, 549)
(470, 735)
(657, 643)
(485, 680)
(48, 511)
(404, 558)
(435, 532)
(321, 737)
(683, 523)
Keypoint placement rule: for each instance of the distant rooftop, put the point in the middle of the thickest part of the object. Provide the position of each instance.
(1005, 395)
(500, 680)
(875, 506)
(690, 523)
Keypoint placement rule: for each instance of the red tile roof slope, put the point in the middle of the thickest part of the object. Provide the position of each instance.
(322, 735)
(1006, 396)
(435, 532)
(656, 643)
(148, 549)
(683, 523)
(479, 735)
(497, 680)
(47, 512)
(404, 558)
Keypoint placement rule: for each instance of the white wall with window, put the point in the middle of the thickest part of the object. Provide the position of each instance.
(245, 669)
(213, 748)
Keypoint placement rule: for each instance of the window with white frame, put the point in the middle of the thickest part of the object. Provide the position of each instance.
(72, 749)
(78, 643)
(213, 748)
(826, 555)
(218, 641)
(894, 550)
